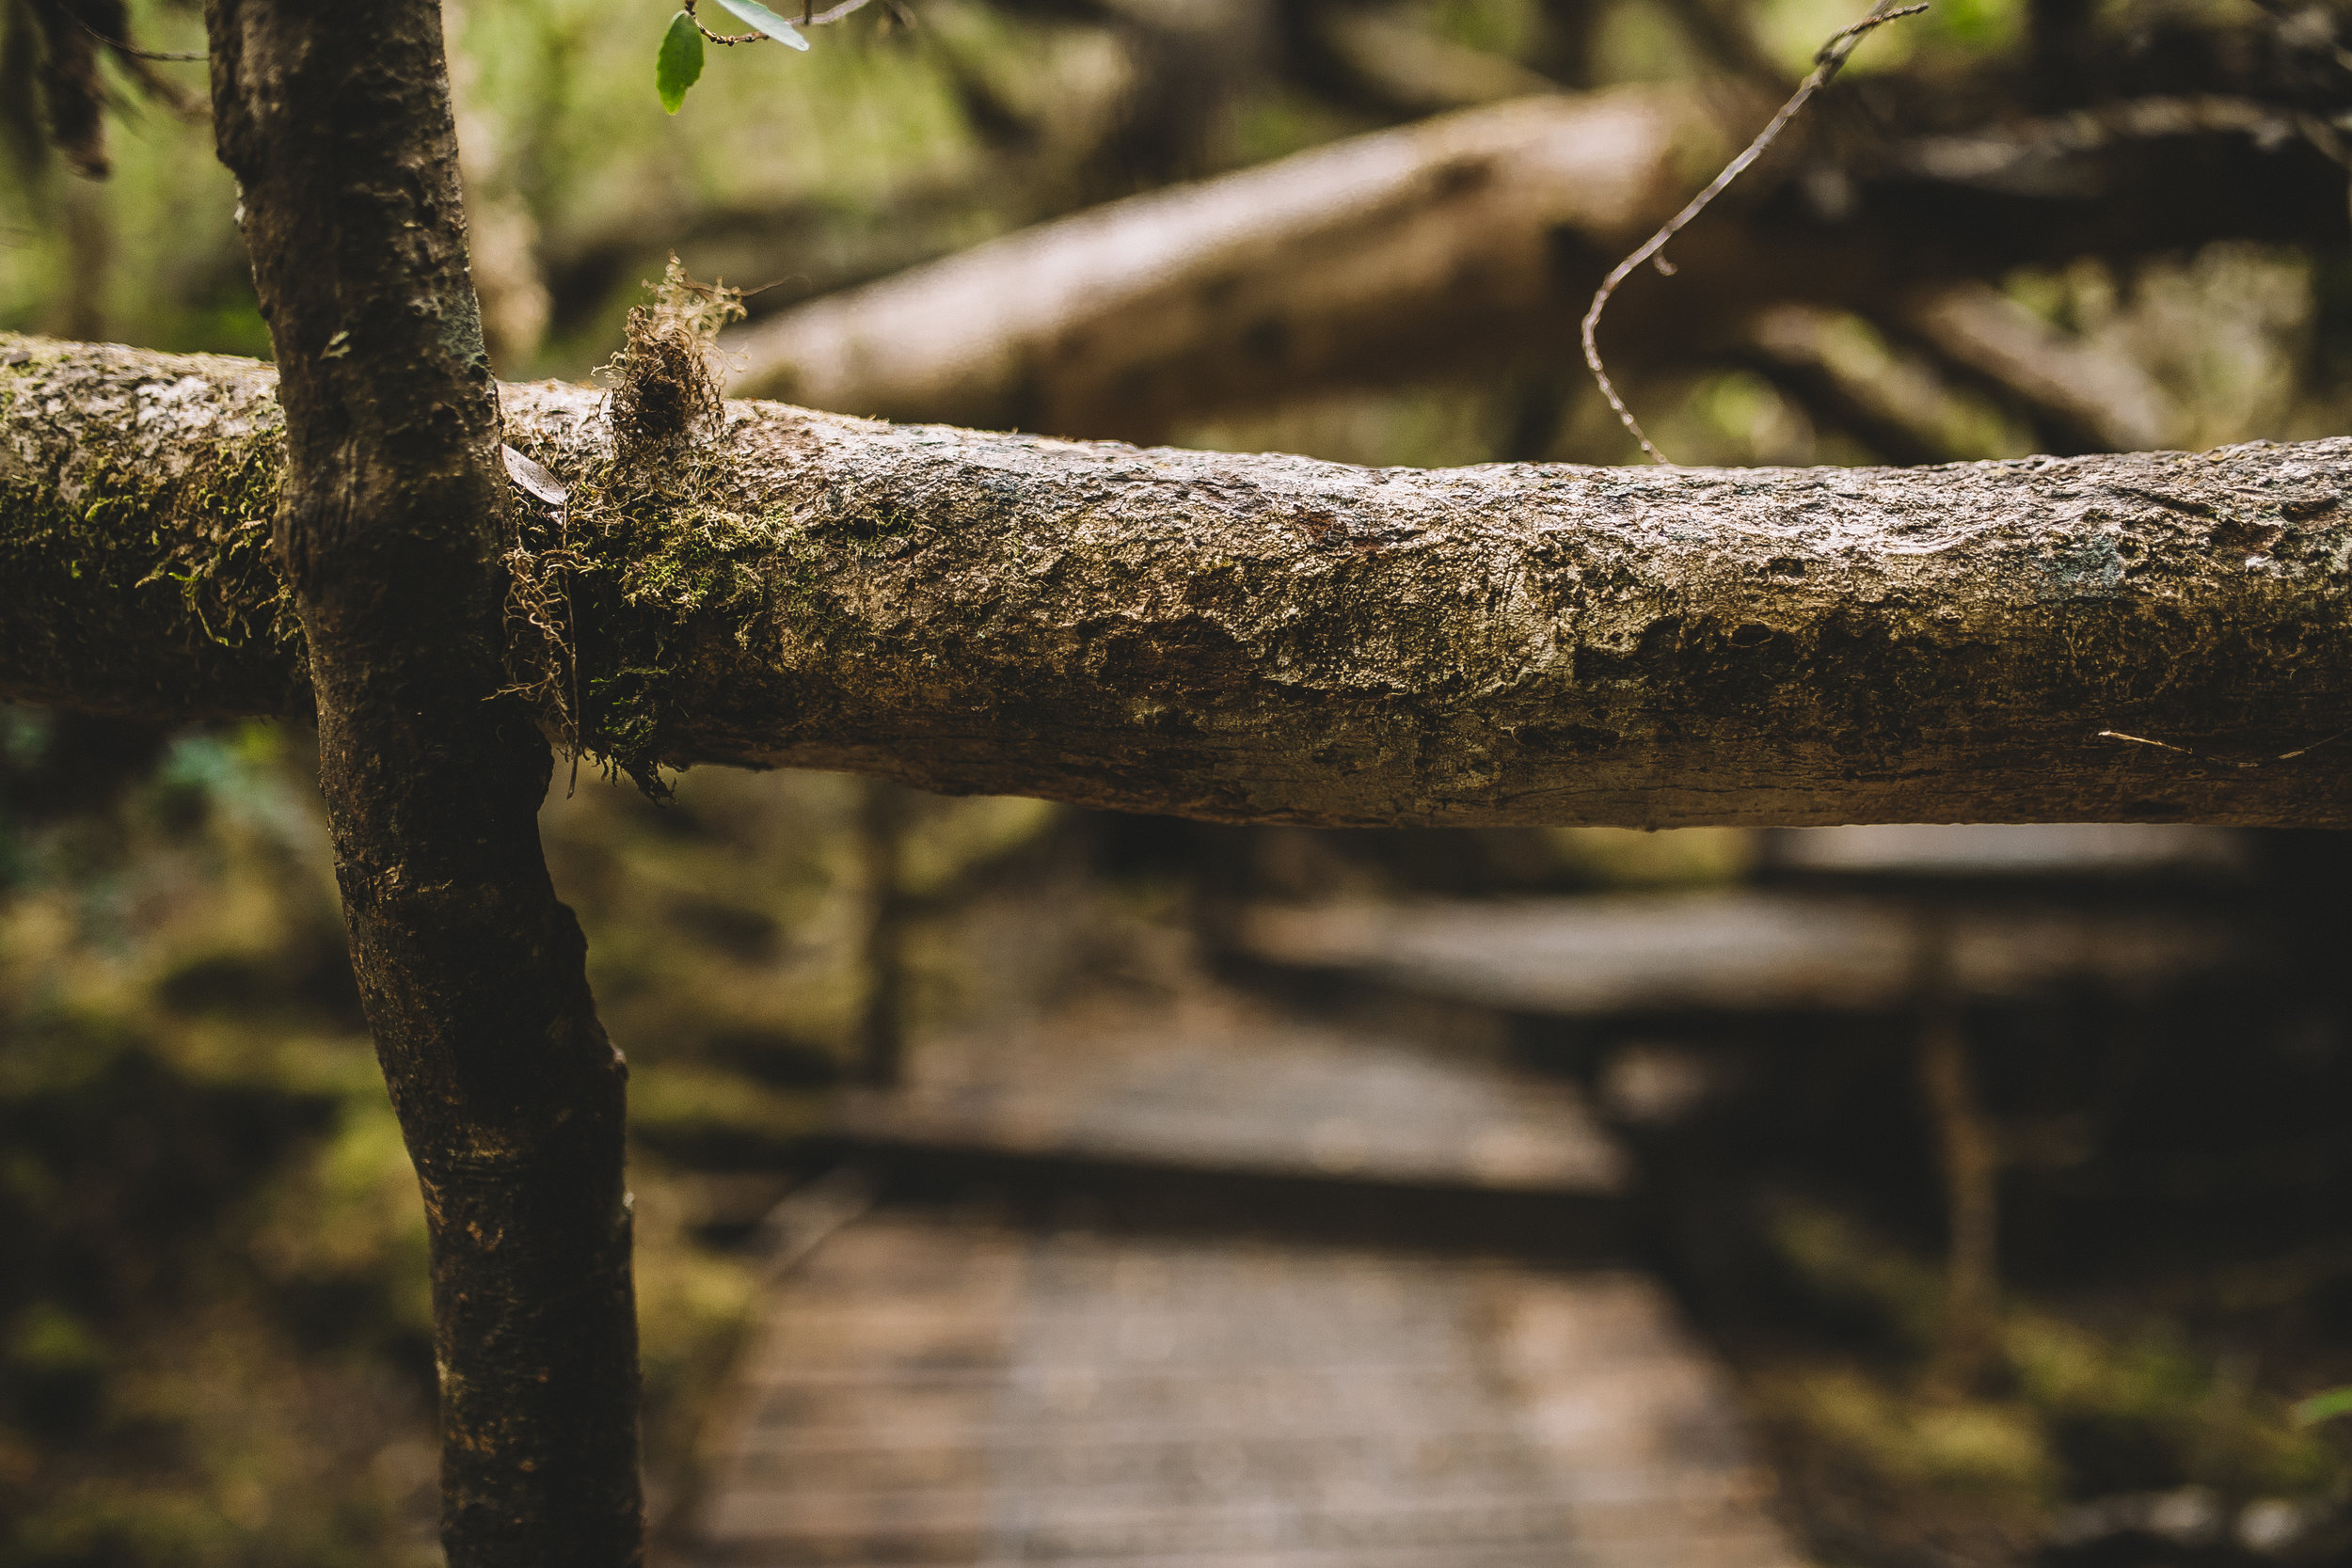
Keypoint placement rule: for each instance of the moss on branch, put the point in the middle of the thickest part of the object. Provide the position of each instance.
(1272, 639)
(135, 546)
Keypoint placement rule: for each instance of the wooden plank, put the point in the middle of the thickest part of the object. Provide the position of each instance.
(2044, 851)
(1634, 1420)
(1731, 950)
(1157, 1457)
(1132, 1401)
(1215, 1083)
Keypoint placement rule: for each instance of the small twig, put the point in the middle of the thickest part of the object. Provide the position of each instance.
(2222, 762)
(1984, 158)
(1827, 62)
(134, 51)
(808, 19)
(730, 40)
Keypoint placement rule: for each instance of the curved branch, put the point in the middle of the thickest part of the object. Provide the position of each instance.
(1269, 639)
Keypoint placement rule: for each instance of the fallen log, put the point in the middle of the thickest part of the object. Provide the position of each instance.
(1334, 264)
(2145, 636)
(1474, 240)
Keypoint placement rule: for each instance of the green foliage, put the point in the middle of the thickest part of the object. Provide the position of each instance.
(214, 1314)
(679, 65)
(1793, 29)
(179, 1061)
(1504, 27)
(2071, 1394)
(2335, 1403)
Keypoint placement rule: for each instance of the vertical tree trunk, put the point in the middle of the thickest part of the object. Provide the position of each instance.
(1970, 1163)
(87, 223)
(336, 122)
(2058, 35)
(882, 829)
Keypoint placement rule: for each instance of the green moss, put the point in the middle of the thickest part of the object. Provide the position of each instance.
(191, 546)
(2071, 1393)
(235, 588)
(659, 565)
(1992, 1452)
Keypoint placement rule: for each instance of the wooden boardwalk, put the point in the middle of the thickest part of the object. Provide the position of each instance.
(1211, 1081)
(935, 1386)
(1733, 950)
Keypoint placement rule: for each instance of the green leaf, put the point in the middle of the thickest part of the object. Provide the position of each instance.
(2322, 1407)
(679, 65)
(760, 18)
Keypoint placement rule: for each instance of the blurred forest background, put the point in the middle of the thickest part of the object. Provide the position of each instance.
(2015, 227)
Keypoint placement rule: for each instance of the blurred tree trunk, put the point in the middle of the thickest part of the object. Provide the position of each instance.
(1423, 245)
(2060, 38)
(1968, 1160)
(80, 208)
(389, 522)
(881, 829)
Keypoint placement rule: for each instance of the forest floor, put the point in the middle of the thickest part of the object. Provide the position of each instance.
(213, 1333)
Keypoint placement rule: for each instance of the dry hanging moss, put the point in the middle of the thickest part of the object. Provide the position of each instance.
(542, 620)
(665, 410)
(664, 395)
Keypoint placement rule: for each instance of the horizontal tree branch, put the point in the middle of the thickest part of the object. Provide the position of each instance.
(1269, 639)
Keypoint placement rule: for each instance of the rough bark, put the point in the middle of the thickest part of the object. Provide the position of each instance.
(390, 500)
(1460, 243)
(1269, 639)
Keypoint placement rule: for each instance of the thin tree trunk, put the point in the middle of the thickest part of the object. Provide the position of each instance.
(336, 124)
(87, 225)
(1969, 1161)
(882, 841)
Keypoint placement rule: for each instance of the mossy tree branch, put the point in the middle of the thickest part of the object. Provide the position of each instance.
(1269, 639)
